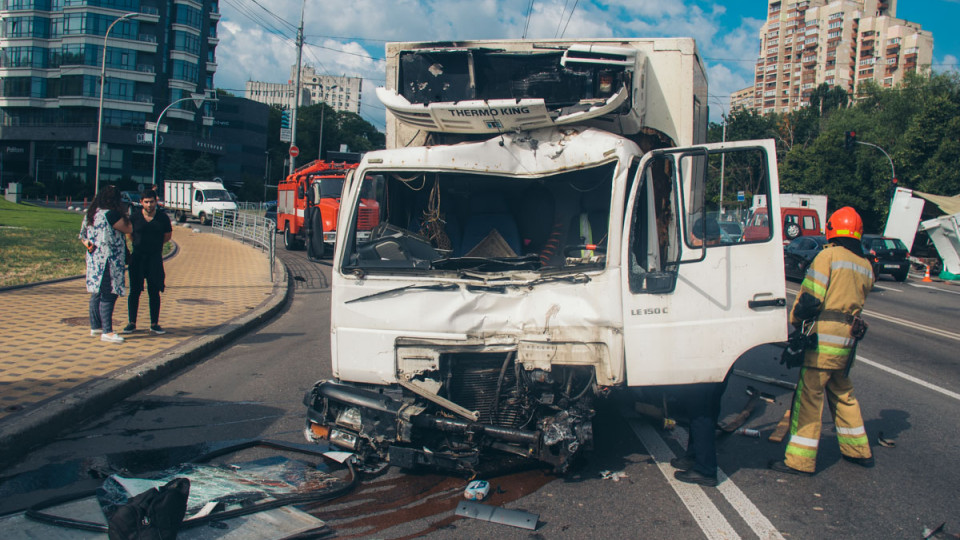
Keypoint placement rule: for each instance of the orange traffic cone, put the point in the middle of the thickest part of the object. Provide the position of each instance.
(926, 276)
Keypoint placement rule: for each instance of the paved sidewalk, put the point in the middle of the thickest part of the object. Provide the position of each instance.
(54, 374)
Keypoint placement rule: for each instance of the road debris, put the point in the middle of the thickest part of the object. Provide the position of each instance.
(747, 432)
(887, 443)
(495, 514)
(781, 430)
(476, 490)
(734, 422)
(615, 476)
(928, 533)
(765, 379)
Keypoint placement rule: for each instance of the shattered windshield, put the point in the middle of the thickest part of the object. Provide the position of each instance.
(452, 221)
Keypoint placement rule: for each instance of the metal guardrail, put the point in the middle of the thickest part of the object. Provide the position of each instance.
(245, 226)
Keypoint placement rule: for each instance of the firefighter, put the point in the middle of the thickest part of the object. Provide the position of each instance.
(831, 299)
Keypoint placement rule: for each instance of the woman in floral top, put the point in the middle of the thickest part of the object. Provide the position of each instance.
(102, 233)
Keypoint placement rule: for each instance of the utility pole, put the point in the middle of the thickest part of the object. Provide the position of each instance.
(296, 90)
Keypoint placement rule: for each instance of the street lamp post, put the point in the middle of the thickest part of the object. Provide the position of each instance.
(156, 129)
(103, 74)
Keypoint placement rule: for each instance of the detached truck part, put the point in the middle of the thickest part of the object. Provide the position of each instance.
(196, 199)
(547, 235)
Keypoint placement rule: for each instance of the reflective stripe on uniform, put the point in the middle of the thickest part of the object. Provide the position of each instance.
(819, 276)
(805, 441)
(840, 341)
(853, 436)
(847, 265)
(818, 289)
(852, 431)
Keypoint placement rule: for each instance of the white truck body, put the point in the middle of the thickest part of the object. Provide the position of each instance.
(196, 199)
(573, 256)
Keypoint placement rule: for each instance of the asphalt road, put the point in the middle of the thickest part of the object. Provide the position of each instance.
(907, 381)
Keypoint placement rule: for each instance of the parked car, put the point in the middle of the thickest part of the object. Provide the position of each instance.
(888, 256)
(270, 211)
(130, 200)
(799, 253)
(732, 230)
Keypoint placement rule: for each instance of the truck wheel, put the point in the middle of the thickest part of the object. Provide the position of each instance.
(203, 218)
(289, 240)
(792, 231)
(179, 215)
(315, 246)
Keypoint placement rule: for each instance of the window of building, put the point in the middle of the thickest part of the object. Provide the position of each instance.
(186, 42)
(188, 15)
(184, 71)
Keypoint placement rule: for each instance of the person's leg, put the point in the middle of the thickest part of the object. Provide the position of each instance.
(153, 293)
(107, 302)
(94, 310)
(846, 415)
(133, 300)
(805, 421)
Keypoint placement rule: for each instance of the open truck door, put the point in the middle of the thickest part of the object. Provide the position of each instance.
(694, 299)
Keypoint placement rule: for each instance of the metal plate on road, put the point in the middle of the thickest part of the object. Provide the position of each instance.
(485, 512)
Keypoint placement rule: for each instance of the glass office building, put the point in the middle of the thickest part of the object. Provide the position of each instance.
(51, 53)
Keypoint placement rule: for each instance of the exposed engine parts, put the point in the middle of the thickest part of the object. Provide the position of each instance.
(473, 404)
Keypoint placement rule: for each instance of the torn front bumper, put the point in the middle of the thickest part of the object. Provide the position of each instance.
(384, 424)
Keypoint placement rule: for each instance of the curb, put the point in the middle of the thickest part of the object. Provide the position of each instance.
(38, 426)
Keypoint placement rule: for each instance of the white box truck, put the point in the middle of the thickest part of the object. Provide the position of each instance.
(196, 199)
(547, 236)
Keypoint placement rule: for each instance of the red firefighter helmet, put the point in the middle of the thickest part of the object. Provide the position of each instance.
(845, 222)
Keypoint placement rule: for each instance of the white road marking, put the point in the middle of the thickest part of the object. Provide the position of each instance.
(707, 515)
(739, 501)
(886, 289)
(934, 288)
(910, 378)
(902, 322)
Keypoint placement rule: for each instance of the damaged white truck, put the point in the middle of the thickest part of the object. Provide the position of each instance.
(548, 235)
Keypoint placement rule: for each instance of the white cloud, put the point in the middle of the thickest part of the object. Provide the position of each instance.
(251, 50)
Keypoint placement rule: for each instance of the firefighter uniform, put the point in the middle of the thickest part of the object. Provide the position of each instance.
(840, 279)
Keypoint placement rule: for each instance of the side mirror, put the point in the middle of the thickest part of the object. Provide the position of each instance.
(300, 192)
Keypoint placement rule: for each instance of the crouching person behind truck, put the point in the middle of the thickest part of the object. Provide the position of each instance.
(151, 230)
(829, 304)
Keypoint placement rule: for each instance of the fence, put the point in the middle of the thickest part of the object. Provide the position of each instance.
(245, 226)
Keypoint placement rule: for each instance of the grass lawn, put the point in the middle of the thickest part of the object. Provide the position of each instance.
(38, 244)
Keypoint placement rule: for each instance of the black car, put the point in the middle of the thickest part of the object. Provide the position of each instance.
(798, 255)
(270, 210)
(887, 255)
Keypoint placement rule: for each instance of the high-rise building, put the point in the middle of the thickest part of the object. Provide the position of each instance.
(843, 43)
(51, 53)
(339, 92)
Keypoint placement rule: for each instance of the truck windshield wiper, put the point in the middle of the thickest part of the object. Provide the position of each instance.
(405, 288)
(487, 264)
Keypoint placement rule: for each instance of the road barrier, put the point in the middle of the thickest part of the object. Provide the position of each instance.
(258, 230)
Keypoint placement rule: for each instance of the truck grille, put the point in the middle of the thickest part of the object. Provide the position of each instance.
(474, 385)
(368, 219)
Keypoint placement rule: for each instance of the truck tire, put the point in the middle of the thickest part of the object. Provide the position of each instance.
(204, 220)
(289, 239)
(792, 230)
(180, 216)
(315, 246)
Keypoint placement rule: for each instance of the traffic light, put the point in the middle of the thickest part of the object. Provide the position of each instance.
(285, 119)
(850, 141)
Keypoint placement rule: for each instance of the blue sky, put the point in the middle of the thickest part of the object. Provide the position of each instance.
(347, 38)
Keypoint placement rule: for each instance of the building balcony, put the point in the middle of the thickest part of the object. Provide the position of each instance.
(211, 66)
(149, 14)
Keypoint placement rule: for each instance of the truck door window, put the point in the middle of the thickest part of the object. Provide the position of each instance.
(724, 183)
(654, 229)
(810, 223)
(198, 196)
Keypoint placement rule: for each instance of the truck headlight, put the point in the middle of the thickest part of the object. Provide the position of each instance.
(350, 418)
(343, 438)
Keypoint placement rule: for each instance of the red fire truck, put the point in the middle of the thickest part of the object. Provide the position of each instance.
(308, 202)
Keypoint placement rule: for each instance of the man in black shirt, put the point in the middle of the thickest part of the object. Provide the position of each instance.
(151, 230)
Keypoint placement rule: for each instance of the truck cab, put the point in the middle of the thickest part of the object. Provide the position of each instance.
(536, 257)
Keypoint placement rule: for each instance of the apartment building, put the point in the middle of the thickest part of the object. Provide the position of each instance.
(51, 53)
(341, 93)
(843, 43)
